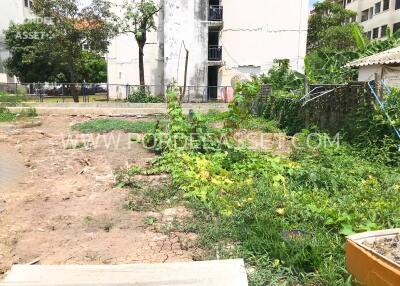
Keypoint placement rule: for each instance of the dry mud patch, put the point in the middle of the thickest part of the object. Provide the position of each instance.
(60, 205)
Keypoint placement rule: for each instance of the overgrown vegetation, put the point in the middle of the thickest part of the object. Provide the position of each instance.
(108, 125)
(287, 217)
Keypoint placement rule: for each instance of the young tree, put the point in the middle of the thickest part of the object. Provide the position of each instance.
(139, 19)
(329, 27)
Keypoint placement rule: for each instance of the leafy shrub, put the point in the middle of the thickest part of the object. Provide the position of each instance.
(184, 132)
(143, 96)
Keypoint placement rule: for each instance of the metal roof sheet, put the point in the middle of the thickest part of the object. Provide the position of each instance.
(391, 56)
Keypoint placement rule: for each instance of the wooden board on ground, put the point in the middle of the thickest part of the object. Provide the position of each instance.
(210, 273)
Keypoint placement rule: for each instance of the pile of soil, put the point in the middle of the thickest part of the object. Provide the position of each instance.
(388, 247)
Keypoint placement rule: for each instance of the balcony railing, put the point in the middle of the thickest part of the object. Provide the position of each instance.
(214, 53)
(216, 13)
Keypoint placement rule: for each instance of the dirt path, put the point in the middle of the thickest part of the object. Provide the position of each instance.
(60, 205)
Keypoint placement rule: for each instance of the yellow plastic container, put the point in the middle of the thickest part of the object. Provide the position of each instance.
(367, 266)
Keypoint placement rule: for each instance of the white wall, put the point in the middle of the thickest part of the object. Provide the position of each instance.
(257, 32)
(11, 11)
(367, 73)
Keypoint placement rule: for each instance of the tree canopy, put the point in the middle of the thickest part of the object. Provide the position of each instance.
(330, 27)
(52, 50)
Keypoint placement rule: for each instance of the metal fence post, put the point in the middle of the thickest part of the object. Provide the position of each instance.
(108, 92)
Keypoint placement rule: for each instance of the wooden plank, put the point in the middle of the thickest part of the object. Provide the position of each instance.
(210, 273)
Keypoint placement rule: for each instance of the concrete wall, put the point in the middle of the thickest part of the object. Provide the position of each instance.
(367, 73)
(388, 17)
(11, 11)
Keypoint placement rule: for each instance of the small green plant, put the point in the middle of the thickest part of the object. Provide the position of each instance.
(126, 177)
(131, 206)
(79, 145)
(88, 219)
(6, 115)
(150, 220)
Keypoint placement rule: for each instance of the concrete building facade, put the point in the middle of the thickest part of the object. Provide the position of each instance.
(16, 11)
(376, 15)
(227, 40)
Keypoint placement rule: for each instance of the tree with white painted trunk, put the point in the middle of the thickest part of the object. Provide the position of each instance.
(139, 20)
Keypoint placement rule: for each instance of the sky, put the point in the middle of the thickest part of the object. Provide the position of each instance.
(312, 2)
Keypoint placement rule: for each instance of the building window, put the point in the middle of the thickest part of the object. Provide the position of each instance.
(28, 3)
(377, 7)
(375, 33)
(396, 27)
(364, 15)
(386, 5)
(383, 31)
(397, 4)
(371, 13)
(368, 35)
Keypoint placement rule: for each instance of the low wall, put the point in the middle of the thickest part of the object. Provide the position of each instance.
(105, 108)
(335, 110)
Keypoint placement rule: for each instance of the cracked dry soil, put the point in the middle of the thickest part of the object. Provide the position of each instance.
(61, 206)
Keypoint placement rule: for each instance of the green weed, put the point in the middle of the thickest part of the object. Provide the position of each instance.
(108, 125)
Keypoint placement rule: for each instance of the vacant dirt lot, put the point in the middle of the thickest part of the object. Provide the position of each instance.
(60, 205)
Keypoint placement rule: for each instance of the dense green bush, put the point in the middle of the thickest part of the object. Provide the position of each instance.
(373, 135)
(286, 110)
(143, 96)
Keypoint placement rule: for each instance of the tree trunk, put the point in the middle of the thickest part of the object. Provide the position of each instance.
(71, 79)
(141, 65)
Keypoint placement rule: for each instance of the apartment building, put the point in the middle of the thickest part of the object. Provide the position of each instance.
(12, 11)
(227, 40)
(376, 15)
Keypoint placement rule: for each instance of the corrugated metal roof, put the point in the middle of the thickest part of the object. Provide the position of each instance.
(391, 56)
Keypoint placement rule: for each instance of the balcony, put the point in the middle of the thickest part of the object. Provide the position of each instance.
(215, 13)
(215, 53)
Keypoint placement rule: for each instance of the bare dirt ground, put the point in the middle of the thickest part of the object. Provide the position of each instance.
(60, 205)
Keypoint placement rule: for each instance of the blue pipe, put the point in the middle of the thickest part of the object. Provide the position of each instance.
(382, 105)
